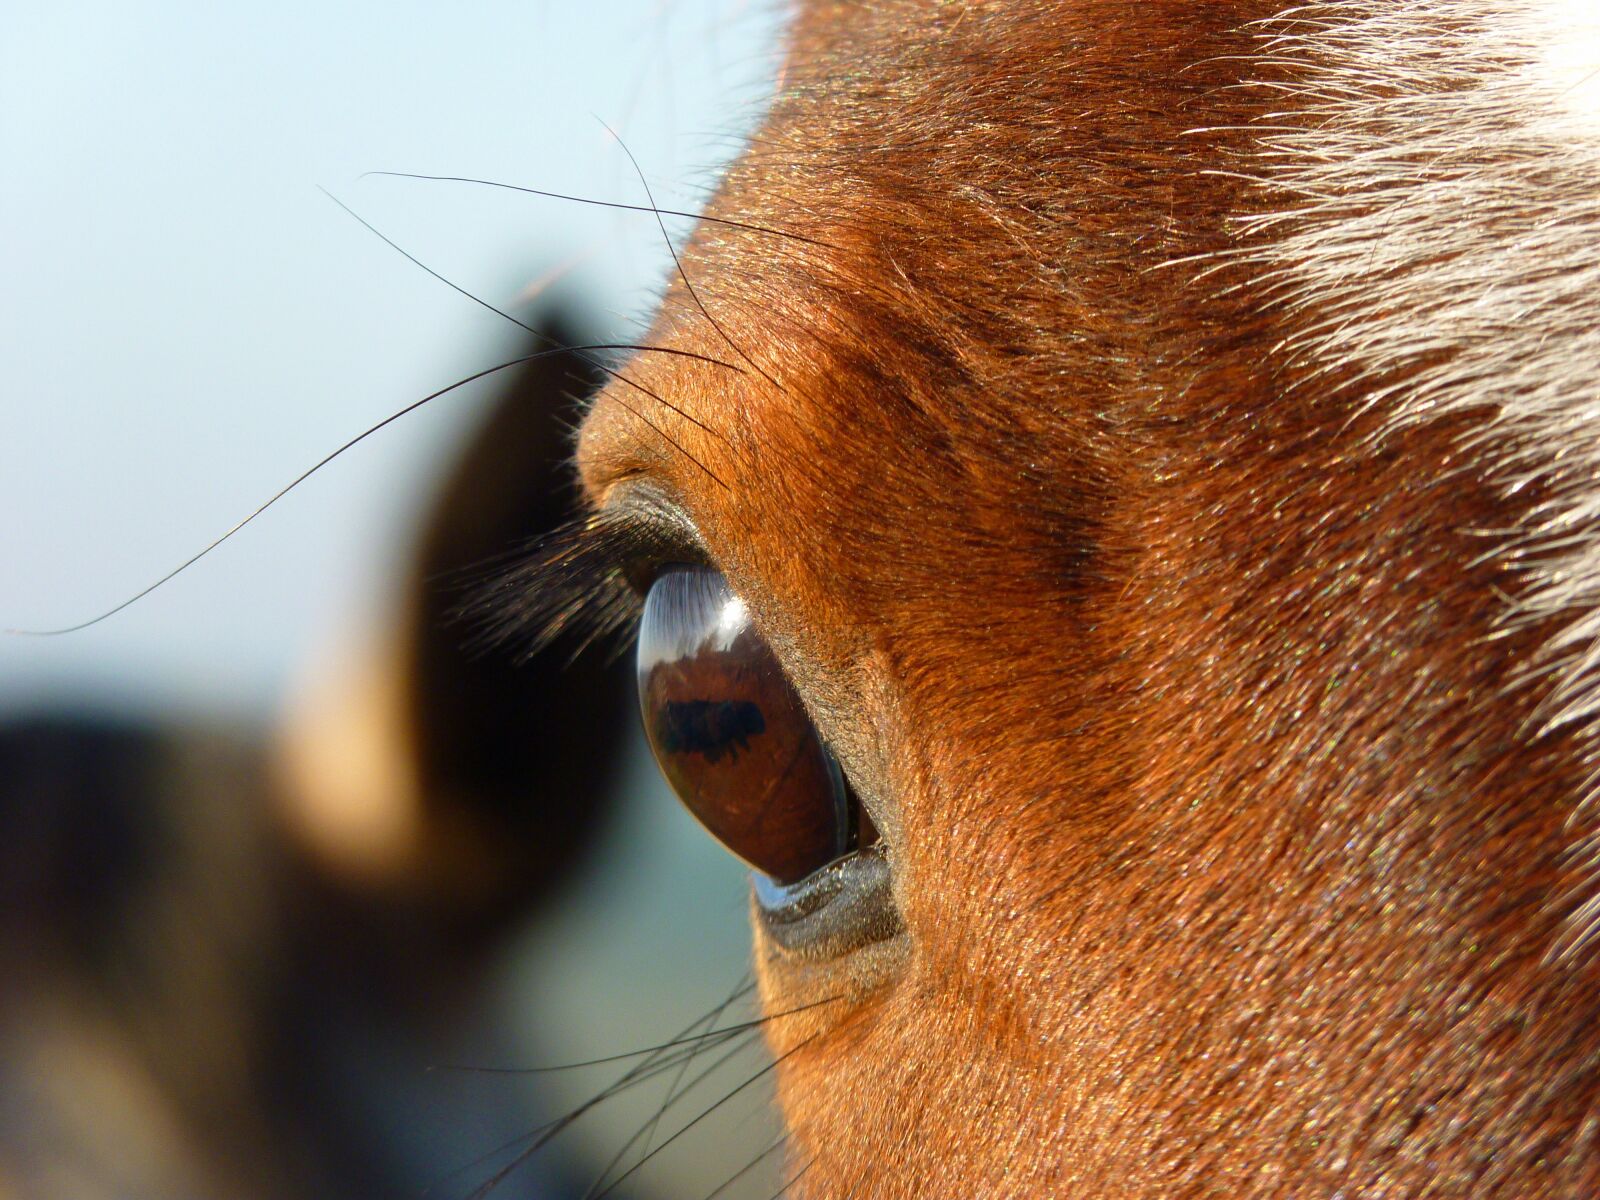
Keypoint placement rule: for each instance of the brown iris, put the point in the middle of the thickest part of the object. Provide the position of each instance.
(731, 734)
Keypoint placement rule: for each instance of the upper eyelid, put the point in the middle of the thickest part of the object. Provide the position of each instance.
(664, 531)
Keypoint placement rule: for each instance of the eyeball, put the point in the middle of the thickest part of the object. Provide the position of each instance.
(731, 735)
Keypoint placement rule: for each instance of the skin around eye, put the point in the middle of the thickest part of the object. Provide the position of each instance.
(730, 733)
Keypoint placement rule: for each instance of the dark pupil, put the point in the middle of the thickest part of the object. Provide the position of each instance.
(731, 735)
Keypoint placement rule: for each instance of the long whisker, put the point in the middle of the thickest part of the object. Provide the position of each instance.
(709, 1035)
(539, 333)
(672, 1089)
(755, 1162)
(670, 212)
(678, 264)
(658, 1061)
(674, 442)
(657, 1064)
(353, 442)
(702, 1115)
(650, 1068)
(794, 1179)
(529, 1143)
(649, 1128)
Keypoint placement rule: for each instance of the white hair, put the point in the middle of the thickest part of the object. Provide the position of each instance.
(1438, 223)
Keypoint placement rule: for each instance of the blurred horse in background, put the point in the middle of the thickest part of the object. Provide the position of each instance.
(236, 956)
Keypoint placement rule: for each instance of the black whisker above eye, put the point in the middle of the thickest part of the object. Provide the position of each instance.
(702, 218)
(351, 444)
(677, 264)
(578, 351)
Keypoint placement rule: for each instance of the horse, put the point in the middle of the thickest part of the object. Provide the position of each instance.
(1118, 483)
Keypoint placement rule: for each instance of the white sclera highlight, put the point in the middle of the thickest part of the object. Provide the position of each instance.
(689, 610)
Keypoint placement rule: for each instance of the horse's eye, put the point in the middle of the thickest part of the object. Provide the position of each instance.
(731, 735)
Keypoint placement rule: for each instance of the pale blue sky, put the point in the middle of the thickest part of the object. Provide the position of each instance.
(187, 323)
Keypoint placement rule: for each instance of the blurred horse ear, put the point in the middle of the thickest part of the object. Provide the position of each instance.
(458, 773)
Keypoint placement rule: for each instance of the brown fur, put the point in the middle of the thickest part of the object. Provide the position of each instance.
(1172, 669)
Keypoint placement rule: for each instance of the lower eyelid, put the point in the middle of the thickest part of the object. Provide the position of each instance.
(842, 908)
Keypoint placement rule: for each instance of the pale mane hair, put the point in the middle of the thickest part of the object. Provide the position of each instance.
(1437, 228)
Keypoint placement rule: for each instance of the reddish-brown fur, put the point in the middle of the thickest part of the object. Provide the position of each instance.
(1229, 860)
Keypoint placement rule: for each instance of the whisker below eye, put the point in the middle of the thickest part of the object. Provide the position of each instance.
(712, 1036)
(530, 1143)
(673, 1094)
(746, 986)
(647, 1131)
(777, 1144)
(674, 1055)
(657, 1064)
(702, 1115)
(526, 1145)
(637, 1077)
(794, 1179)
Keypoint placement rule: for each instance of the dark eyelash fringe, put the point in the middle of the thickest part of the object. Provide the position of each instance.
(567, 586)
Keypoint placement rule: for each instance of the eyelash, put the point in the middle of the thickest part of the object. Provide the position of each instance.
(582, 583)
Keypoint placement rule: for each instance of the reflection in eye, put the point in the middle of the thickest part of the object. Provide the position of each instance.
(731, 734)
